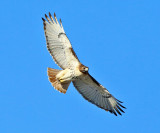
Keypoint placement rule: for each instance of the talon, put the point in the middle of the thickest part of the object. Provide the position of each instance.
(61, 80)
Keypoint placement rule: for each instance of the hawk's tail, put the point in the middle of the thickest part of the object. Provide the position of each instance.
(62, 87)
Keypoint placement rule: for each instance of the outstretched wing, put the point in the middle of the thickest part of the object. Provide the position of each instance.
(95, 93)
(58, 44)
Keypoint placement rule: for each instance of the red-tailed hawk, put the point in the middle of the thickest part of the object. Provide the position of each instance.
(74, 71)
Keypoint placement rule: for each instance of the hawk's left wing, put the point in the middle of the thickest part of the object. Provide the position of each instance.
(95, 93)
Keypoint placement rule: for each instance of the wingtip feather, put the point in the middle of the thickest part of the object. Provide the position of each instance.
(120, 109)
(46, 16)
(117, 111)
(121, 106)
(114, 113)
(118, 100)
(43, 19)
(50, 14)
(54, 14)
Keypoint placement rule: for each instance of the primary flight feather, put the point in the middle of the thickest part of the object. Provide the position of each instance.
(74, 71)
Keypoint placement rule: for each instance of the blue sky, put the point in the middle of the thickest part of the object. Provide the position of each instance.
(118, 41)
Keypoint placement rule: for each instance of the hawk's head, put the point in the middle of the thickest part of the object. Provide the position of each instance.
(83, 69)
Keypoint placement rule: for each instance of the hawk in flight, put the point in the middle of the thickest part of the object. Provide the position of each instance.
(74, 71)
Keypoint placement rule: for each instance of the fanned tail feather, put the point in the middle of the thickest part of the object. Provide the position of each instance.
(61, 87)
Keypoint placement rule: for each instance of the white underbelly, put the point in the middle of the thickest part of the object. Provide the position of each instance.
(69, 74)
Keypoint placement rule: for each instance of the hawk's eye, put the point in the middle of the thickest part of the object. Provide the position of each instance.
(84, 69)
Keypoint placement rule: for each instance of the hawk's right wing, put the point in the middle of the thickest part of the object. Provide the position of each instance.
(58, 44)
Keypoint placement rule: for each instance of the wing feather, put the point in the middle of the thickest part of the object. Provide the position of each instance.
(58, 44)
(95, 93)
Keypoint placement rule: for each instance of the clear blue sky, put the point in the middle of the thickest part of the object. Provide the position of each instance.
(120, 42)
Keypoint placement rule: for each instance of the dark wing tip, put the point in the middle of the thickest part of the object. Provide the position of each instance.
(60, 21)
(114, 113)
(50, 14)
(118, 100)
(46, 16)
(43, 19)
(117, 111)
(120, 109)
(55, 15)
(121, 105)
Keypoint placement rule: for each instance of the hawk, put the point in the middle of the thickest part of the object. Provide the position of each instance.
(74, 71)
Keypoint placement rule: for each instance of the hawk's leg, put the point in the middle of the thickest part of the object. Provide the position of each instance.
(64, 76)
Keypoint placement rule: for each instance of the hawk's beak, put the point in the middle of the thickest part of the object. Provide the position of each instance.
(86, 69)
